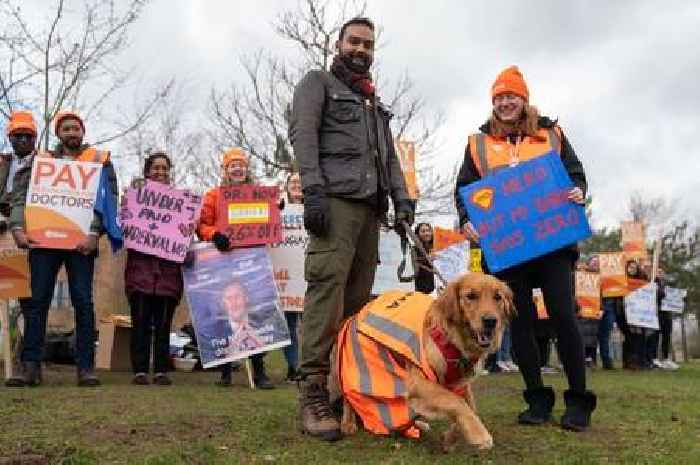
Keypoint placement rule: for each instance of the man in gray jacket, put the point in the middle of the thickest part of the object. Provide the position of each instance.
(345, 151)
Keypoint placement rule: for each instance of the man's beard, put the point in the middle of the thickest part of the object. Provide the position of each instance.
(357, 62)
(73, 143)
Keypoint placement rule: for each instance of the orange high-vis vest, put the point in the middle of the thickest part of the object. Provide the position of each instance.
(491, 153)
(90, 154)
(374, 348)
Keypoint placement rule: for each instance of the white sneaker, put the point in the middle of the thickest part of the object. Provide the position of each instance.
(513, 367)
(659, 364)
(670, 365)
(549, 370)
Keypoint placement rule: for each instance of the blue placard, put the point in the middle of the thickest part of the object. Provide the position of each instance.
(522, 212)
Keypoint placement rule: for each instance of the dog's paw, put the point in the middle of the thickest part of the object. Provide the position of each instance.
(482, 441)
(424, 426)
(348, 428)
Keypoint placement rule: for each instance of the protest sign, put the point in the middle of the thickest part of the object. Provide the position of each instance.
(250, 215)
(390, 256)
(14, 270)
(674, 300)
(288, 259)
(159, 220)
(588, 294)
(60, 201)
(523, 212)
(540, 307)
(613, 277)
(475, 260)
(443, 238)
(640, 307)
(406, 152)
(633, 240)
(233, 304)
(452, 261)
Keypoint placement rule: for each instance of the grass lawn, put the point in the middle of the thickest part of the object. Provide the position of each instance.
(642, 418)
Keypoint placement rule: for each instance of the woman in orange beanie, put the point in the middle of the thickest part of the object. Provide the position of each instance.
(234, 167)
(515, 132)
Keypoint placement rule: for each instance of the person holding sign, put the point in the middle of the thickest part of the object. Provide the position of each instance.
(154, 288)
(45, 262)
(294, 196)
(343, 143)
(21, 131)
(235, 172)
(514, 133)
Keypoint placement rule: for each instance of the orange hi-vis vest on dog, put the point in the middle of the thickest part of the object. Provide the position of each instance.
(374, 348)
(491, 153)
(90, 154)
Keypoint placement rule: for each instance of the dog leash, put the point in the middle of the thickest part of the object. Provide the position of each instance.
(410, 238)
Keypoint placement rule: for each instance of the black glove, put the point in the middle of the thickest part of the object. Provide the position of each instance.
(221, 242)
(404, 211)
(316, 214)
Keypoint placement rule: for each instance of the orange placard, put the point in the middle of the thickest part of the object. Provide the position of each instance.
(443, 238)
(613, 278)
(588, 294)
(60, 201)
(633, 239)
(538, 298)
(406, 152)
(14, 270)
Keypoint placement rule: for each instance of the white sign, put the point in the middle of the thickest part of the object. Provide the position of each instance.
(288, 259)
(640, 307)
(673, 302)
(453, 261)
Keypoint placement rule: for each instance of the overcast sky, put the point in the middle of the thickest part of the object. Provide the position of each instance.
(621, 76)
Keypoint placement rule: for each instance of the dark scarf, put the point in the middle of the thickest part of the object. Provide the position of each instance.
(358, 82)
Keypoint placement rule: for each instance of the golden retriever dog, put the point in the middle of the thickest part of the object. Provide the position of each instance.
(391, 377)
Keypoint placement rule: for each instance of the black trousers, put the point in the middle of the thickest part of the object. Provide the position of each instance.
(553, 273)
(151, 317)
(664, 334)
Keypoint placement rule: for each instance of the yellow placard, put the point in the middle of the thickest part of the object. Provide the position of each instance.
(406, 152)
(248, 213)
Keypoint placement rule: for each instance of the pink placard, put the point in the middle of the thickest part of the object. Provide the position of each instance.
(159, 220)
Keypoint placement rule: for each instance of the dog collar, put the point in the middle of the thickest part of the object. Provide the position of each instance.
(457, 364)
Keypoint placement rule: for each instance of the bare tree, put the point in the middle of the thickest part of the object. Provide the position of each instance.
(254, 115)
(656, 213)
(69, 62)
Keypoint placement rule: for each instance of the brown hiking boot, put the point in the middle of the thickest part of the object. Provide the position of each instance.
(316, 416)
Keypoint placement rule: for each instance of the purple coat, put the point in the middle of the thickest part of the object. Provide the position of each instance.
(152, 275)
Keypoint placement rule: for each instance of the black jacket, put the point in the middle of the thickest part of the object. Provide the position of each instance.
(469, 174)
(338, 143)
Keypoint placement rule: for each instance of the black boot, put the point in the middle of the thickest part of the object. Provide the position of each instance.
(226, 370)
(26, 374)
(540, 402)
(260, 378)
(579, 406)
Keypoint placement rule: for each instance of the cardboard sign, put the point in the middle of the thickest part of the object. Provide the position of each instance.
(233, 304)
(453, 261)
(640, 307)
(385, 277)
(613, 277)
(14, 270)
(250, 215)
(674, 301)
(406, 152)
(633, 240)
(588, 294)
(60, 201)
(288, 259)
(159, 220)
(522, 212)
(540, 307)
(443, 238)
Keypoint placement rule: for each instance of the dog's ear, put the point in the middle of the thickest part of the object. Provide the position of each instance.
(448, 302)
(507, 300)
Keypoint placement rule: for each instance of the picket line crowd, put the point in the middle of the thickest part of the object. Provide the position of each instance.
(348, 176)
